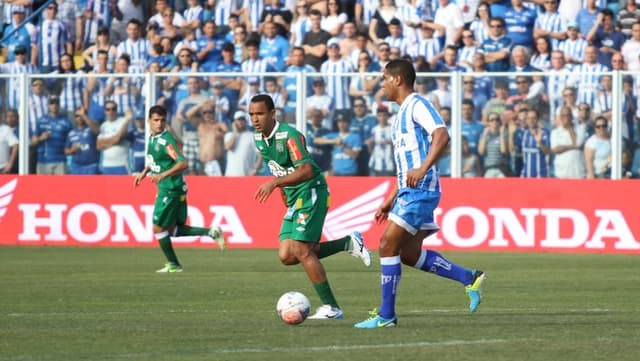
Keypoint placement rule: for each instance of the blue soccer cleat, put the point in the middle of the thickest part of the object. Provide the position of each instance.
(474, 290)
(377, 321)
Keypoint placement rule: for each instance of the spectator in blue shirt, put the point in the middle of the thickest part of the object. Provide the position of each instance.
(471, 127)
(605, 37)
(290, 83)
(233, 84)
(209, 46)
(81, 145)
(535, 147)
(274, 48)
(519, 21)
(497, 47)
(318, 145)
(362, 123)
(137, 139)
(50, 136)
(346, 148)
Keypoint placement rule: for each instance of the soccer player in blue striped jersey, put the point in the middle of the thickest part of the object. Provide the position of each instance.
(419, 138)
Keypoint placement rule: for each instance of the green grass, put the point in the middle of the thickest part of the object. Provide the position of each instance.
(108, 304)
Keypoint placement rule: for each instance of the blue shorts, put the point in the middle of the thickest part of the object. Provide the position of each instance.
(413, 210)
(84, 169)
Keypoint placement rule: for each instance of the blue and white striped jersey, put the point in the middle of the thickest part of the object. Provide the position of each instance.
(573, 48)
(101, 17)
(38, 108)
(223, 9)
(586, 78)
(71, 94)
(338, 86)
(412, 126)
(12, 96)
(138, 52)
(52, 37)
(255, 8)
(551, 22)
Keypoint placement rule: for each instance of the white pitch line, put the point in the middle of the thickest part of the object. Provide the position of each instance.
(368, 347)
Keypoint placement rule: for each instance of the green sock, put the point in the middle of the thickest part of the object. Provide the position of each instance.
(332, 247)
(167, 249)
(324, 292)
(185, 230)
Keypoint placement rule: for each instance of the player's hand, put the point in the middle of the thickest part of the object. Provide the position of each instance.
(138, 179)
(264, 191)
(414, 176)
(383, 212)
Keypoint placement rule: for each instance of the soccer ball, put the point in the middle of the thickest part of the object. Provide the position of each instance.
(293, 307)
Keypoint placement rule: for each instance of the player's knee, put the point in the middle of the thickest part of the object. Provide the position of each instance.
(286, 257)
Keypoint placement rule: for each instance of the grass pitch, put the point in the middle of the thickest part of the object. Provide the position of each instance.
(108, 304)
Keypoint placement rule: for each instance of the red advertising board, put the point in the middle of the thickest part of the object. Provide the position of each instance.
(548, 215)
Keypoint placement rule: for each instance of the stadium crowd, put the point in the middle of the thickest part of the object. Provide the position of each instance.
(552, 117)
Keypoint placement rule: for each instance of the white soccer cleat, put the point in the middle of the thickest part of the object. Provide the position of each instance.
(216, 234)
(326, 312)
(358, 248)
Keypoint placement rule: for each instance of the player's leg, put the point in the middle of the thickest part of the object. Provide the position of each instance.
(432, 261)
(353, 243)
(164, 221)
(183, 229)
(300, 232)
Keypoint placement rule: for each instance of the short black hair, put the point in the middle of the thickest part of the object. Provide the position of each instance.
(404, 69)
(264, 98)
(159, 110)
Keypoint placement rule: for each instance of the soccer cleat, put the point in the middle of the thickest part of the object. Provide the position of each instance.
(170, 268)
(358, 248)
(377, 321)
(216, 234)
(326, 312)
(474, 290)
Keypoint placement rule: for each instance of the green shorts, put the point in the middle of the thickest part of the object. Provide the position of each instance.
(170, 209)
(305, 219)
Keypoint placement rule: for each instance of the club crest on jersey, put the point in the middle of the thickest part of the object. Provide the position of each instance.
(279, 147)
(302, 218)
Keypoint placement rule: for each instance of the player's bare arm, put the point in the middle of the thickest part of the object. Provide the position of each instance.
(138, 179)
(439, 142)
(383, 211)
(177, 168)
(303, 173)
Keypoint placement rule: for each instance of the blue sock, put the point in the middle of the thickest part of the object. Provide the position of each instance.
(434, 262)
(391, 272)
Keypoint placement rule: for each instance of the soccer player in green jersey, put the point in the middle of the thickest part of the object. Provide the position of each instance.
(306, 195)
(166, 164)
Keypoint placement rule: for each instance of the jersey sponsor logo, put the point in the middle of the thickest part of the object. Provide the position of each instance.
(6, 195)
(282, 135)
(172, 152)
(356, 214)
(295, 152)
(278, 170)
(162, 141)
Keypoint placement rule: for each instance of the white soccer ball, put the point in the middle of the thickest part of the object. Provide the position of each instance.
(293, 307)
